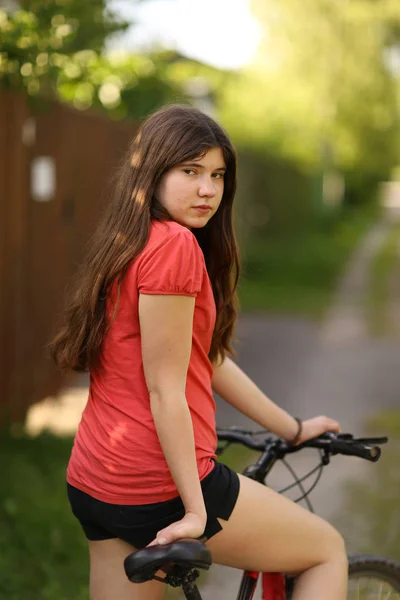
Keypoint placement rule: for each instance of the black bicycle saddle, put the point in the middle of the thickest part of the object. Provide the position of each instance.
(142, 565)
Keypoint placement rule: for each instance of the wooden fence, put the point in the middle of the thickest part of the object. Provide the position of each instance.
(41, 242)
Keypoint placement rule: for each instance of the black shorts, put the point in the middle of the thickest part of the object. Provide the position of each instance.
(138, 524)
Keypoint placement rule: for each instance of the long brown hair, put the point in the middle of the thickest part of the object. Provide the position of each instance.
(169, 137)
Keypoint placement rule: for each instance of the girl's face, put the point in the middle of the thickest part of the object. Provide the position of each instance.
(192, 192)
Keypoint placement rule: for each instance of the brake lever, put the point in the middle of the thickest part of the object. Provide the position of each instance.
(331, 435)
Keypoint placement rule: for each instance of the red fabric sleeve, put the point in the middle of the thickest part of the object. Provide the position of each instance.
(174, 266)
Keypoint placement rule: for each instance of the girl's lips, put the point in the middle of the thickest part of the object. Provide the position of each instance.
(204, 208)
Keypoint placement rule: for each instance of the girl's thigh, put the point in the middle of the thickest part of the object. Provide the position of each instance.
(107, 575)
(266, 532)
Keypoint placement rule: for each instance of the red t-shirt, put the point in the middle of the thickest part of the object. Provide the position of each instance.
(117, 457)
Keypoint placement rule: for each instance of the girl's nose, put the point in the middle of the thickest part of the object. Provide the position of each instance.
(207, 188)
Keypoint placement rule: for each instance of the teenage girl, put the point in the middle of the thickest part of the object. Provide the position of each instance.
(151, 317)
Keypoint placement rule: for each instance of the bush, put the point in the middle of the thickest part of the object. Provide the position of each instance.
(298, 273)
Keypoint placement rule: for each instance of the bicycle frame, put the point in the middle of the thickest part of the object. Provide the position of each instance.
(273, 586)
(277, 586)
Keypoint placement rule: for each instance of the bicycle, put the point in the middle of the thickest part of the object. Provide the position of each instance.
(181, 560)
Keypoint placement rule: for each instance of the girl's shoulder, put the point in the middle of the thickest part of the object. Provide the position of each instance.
(171, 262)
(165, 230)
(170, 236)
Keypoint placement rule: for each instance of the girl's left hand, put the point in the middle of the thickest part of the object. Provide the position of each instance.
(312, 428)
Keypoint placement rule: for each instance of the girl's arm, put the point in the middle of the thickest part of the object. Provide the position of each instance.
(234, 386)
(166, 333)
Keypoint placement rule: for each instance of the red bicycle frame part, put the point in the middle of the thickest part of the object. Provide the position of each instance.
(248, 585)
(273, 586)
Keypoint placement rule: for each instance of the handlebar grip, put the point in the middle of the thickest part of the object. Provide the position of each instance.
(371, 453)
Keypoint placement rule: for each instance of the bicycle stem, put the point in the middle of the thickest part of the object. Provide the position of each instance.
(263, 466)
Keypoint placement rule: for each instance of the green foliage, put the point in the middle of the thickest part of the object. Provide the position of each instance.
(319, 90)
(55, 48)
(374, 507)
(298, 273)
(123, 85)
(38, 39)
(197, 78)
(274, 197)
(54, 24)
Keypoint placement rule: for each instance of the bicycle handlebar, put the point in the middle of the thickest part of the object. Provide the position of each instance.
(346, 446)
(331, 443)
(241, 436)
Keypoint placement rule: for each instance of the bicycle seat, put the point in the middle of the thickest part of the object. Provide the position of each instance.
(142, 565)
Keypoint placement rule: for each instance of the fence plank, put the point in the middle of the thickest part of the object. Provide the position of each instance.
(42, 242)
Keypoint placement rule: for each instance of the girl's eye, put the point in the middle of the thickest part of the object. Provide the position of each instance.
(218, 175)
(188, 171)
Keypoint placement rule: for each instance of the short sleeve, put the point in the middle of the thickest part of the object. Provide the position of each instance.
(174, 266)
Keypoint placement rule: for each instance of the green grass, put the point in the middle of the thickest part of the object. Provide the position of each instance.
(382, 269)
(43, 553)
(370, 516)
(299, 275)
(238, 457)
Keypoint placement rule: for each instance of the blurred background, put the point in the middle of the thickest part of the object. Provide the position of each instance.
(310, 94)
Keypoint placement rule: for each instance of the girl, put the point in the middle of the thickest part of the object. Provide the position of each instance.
(151, 318)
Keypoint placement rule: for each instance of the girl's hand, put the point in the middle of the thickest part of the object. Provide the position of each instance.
(312, 428)
(191, 526)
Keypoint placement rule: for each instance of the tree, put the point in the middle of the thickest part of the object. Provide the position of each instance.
(38, 39)
(319, 89)
(55, 48)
